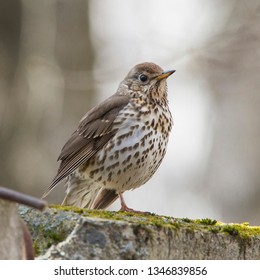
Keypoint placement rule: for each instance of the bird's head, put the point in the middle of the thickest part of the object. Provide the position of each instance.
(146, 80)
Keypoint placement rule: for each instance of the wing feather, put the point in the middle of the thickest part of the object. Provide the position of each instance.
(95, 129)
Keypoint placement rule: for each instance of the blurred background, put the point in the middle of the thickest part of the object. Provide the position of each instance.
(59, 58)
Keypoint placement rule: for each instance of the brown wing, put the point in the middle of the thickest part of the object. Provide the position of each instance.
(95, 129)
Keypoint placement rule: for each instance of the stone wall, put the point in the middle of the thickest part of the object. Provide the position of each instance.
(73, 233)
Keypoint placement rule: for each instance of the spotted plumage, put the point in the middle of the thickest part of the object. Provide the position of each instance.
(120, 143)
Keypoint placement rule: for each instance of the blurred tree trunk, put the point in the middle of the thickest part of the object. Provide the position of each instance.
(75, 55)
(10, 28)
(233, 73)
(52, 90)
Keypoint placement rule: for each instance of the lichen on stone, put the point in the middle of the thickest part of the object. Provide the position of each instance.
(57, 222)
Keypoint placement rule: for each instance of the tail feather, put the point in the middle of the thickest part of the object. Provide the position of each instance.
(104, 198)
(53, 184)
(81, 193)
(86, 194)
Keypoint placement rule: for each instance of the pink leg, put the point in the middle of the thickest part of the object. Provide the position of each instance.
(127, 209)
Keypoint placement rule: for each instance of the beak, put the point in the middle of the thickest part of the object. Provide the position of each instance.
(164, 75)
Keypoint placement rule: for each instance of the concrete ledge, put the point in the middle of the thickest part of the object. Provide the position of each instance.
(73, 233)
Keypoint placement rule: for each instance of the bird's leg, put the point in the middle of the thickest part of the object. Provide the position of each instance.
(127, 209)
(123, 204)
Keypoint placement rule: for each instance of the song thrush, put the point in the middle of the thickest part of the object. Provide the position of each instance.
(120, 143)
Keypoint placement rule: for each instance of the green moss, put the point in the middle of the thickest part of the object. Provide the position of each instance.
(207, 221)
(36, 249)
(132, 217)
(67, 208)
(187, 220)
(230, 230)
(214, 229)
(243, 230)
(56, 236)
(55, 224)
(45, 237)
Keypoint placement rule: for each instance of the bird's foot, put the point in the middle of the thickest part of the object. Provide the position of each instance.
(124, 208)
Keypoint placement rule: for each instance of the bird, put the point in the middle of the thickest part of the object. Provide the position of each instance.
(119, 144)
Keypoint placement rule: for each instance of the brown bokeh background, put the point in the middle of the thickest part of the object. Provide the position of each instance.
(59, 58)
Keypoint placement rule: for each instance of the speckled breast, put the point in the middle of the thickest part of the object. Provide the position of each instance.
(132, 156)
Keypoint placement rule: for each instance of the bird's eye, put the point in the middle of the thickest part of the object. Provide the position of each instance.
(143, 78)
